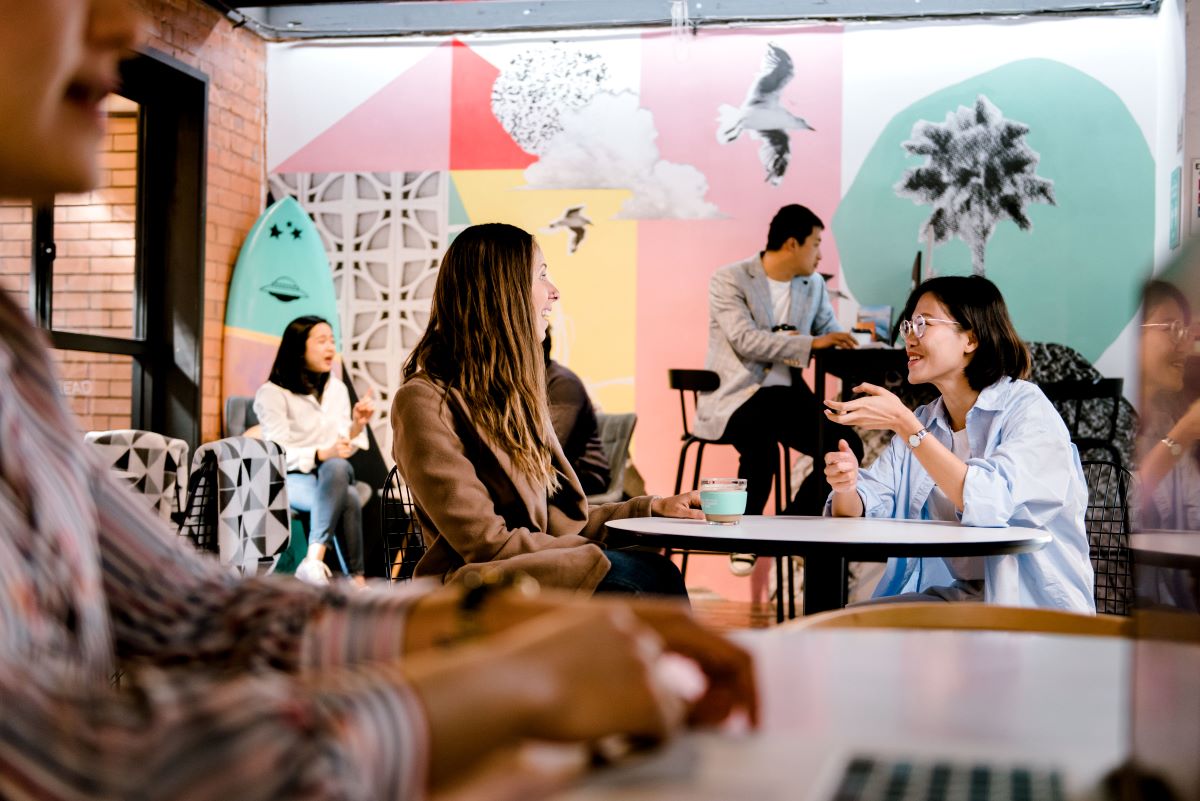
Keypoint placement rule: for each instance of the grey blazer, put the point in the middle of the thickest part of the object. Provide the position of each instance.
(741, 346)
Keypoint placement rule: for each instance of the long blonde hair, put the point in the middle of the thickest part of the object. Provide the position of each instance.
(480, 341)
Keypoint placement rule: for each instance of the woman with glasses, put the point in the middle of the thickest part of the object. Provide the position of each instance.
(1170, 420)
(991, 451)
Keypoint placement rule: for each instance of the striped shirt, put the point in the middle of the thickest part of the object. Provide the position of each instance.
(233, 689)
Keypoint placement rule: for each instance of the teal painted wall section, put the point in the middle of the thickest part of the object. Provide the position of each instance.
(1074, 278)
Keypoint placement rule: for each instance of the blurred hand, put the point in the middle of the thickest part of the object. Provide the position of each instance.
(1187, 430)
(364, 410)
(837, 339)
(878, 409)
(841, 469)
(727, 668)
(686, 505)
(342, 449)
(596, 667)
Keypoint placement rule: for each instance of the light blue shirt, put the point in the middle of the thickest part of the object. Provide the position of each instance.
(1025, 472)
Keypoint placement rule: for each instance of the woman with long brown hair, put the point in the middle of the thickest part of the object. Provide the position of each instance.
(473, 437)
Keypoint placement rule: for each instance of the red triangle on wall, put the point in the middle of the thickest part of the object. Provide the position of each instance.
(477, 140)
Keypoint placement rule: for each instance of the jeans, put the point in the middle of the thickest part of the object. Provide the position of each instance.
(642, 573)
(331, 499)
(790, 415)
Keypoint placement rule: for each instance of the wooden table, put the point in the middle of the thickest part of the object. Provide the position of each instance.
(826, 543)
(830, 694)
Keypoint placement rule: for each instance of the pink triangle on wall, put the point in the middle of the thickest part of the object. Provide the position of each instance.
(403, 126)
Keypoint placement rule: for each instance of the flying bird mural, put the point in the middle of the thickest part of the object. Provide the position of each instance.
(571, 220)
(763, 116)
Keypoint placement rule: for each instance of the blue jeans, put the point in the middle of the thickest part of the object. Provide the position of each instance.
(642, 573)
(331, 499)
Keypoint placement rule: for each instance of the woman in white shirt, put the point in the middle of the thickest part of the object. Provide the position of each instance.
(307, 411)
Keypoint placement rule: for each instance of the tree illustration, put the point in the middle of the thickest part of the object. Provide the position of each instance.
(979, 171)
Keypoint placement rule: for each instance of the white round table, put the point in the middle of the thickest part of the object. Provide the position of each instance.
(826, 543)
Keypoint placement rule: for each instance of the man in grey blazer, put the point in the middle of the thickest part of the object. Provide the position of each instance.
(767, 314)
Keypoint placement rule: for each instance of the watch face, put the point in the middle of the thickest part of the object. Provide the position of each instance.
(914, 440)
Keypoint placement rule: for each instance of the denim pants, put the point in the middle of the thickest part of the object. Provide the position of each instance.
(642, 573)
(330, 497)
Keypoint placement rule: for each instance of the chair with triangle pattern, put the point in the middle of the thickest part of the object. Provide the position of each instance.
(237, 503)
(155, 465)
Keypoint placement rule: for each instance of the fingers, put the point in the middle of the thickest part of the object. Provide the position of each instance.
(870, 389)
(841, 468)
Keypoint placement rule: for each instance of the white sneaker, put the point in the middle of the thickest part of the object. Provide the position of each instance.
(741, 564)
(314, 572)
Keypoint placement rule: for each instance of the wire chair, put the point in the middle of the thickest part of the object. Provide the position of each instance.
(403, 543)
(200, 516)
(1107, 524)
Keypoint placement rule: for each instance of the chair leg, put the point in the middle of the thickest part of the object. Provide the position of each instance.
(778, 589)
(791, 590)
(699, 461)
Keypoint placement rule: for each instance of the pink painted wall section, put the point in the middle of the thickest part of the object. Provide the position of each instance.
(683, 85)
(404, 126)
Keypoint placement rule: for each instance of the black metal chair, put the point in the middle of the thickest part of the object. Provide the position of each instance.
(1107, 524)
(403, 543)
(695, 382)
(1091, 409)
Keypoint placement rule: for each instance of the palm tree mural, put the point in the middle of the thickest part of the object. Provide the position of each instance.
(979, 171)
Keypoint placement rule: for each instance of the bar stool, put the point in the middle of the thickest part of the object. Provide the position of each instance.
(695, 382)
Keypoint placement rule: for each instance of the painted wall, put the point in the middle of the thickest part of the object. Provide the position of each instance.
(626, 130)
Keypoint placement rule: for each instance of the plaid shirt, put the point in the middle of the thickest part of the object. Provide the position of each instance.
(256, 689)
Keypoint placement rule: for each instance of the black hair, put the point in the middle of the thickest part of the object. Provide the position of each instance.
(976, 304)
(546, 343)
(794, 221)
(290, 369)
(1157, 292)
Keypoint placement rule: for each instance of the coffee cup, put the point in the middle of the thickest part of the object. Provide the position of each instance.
(723, 500)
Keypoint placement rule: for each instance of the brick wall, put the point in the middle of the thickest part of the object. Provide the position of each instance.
(94, 231)
(235, 62)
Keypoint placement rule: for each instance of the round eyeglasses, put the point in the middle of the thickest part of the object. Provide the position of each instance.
(916, 326)
(1175, 329)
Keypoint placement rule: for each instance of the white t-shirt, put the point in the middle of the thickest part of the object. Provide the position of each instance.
(963, 568)
(781, 306)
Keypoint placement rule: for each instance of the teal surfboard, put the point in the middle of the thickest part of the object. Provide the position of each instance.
(281, 273)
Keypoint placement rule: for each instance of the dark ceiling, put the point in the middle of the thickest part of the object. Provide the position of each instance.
(299, 19)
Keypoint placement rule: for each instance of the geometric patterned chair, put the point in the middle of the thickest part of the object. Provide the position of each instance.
(237, 503)
(155, 465)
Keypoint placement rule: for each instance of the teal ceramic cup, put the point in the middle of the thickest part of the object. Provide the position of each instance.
(723, 500)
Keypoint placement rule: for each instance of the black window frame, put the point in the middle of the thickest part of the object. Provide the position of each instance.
(168, 317)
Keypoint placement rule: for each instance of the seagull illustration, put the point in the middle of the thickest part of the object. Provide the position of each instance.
(573, 220)
(762, 115)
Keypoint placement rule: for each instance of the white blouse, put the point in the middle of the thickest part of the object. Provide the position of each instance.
(302, 425)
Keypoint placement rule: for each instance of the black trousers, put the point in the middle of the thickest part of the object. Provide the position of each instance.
(788, 415)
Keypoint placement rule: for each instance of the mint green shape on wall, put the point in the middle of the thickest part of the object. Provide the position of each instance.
(1075, 277)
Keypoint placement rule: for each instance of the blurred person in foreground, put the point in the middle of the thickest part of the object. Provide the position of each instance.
(262, 688)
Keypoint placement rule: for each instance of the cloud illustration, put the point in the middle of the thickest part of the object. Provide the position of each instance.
(609, 143)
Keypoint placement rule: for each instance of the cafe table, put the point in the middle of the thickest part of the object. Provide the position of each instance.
(826, 543)
(1055, 702)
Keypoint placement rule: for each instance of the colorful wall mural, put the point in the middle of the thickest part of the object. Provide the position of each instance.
(643, 163)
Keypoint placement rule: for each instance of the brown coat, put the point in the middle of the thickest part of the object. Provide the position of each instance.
(476, 509)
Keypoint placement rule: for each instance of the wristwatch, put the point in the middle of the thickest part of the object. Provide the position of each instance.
(915, 439)
(1172, 446)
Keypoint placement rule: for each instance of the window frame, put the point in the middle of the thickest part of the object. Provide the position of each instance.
(169, 231)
